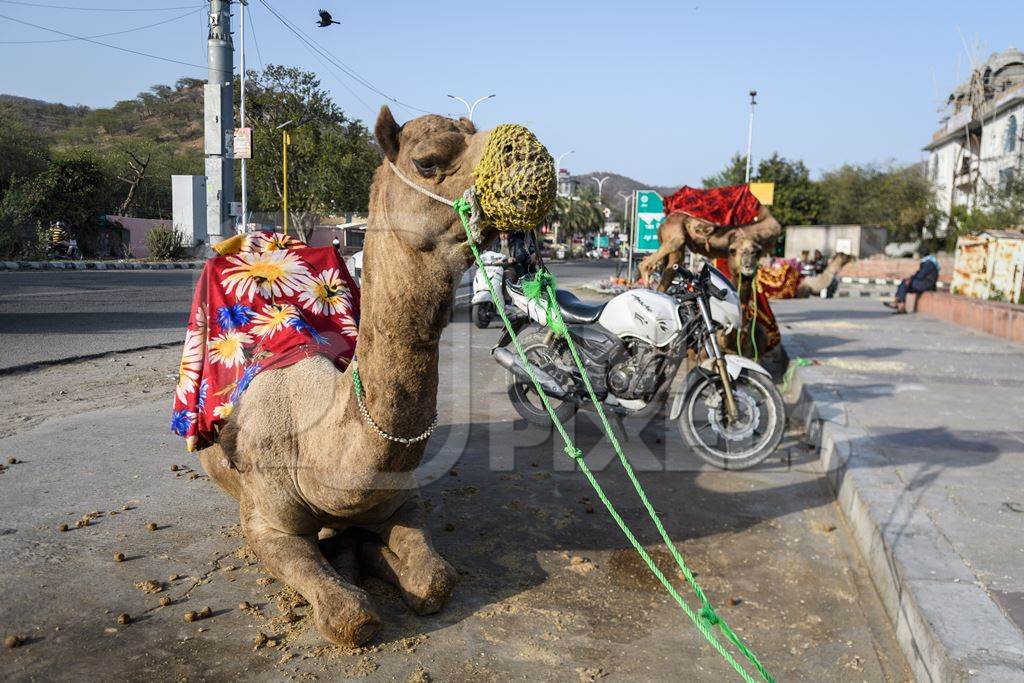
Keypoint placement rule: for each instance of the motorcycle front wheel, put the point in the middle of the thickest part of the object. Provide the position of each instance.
(524, 396)
(733, 444)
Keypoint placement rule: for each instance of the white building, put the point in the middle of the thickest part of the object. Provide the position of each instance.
(981, 142)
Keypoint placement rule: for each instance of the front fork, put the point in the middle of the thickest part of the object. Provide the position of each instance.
(716, 353)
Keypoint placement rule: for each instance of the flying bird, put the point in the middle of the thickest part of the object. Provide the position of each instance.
(325, 19)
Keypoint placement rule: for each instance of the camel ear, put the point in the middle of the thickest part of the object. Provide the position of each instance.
(467, 125)
(386, 131)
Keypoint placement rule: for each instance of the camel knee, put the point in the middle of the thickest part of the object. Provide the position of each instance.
(216, 464)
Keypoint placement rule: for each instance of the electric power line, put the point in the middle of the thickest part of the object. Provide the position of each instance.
(101, 9)
(338, 63)
(252, 32)
(96, 42)
(103, 35)
(332, 71)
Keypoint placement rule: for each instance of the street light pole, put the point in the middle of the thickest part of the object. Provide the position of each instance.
(558, 163)
(750, 132)
(285, 141)
(241, 112)
(600, 185)
(558, 172)
(471, 107)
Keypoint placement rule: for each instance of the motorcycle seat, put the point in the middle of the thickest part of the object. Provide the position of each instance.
(575, 311)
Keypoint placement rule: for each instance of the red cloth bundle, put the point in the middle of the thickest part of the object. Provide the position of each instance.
(729, 206)
(758, 302)
(267, 302)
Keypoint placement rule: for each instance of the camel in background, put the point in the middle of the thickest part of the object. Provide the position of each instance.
(679, 232)
(816, 284)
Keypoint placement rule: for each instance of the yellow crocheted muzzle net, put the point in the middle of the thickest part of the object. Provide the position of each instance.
(515, 179)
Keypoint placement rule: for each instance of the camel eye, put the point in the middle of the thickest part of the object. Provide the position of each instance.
(426, 167)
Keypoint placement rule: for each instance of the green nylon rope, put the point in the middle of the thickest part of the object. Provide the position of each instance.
(542, 286)
(753, 319)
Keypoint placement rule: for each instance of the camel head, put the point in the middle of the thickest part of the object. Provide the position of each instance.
(512, 173)
(839, 261)
(744, 254)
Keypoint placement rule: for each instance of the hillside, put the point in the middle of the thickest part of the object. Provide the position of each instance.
(163, 114)
(619, 183)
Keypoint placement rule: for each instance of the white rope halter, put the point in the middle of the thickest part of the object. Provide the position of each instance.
(469, 195)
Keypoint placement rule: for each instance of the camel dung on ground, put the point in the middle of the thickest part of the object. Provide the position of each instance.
(298, 454)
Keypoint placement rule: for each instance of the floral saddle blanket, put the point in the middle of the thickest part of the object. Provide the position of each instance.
(267, 301)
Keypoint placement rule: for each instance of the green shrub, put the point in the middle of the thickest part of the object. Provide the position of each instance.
(165, 243)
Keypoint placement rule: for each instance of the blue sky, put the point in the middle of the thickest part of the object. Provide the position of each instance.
(654, 90)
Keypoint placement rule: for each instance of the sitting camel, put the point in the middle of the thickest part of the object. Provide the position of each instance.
(680, 231)
(303, 456)
(816, 284)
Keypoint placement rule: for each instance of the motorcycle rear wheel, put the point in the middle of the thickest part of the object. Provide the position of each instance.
(524, 396)
(735, 445)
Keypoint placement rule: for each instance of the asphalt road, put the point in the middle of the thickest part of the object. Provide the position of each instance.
(53, 316)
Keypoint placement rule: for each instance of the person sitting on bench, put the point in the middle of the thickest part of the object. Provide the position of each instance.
(924, 280)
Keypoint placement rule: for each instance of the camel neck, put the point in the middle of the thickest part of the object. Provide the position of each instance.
(406, 301)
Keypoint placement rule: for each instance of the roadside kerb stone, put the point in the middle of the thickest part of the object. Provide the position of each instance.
(948, 626)
(101, 265)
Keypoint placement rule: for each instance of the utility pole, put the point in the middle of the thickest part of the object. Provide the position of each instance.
(750, 132)
(219, 123)
(241, 112)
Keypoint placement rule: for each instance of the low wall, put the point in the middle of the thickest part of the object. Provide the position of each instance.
(993, 317)
(139, 228)
(894, 268)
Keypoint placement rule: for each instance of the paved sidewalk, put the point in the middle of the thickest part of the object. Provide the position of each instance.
(921, 427)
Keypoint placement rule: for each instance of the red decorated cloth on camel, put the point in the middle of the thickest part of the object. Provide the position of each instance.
(759, 304)
(729, 206)
(268, 301)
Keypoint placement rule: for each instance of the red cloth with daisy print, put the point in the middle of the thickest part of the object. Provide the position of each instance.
(267, 302)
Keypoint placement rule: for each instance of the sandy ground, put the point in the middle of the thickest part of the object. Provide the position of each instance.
(548, 588)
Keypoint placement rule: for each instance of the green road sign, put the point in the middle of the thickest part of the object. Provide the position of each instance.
(650, 212)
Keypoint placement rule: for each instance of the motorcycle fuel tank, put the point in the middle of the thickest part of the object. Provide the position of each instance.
(647, 315)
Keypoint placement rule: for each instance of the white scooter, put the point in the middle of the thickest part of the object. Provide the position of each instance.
(483, 307)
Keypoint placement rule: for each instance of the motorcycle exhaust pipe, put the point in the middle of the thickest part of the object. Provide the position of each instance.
(513, 364)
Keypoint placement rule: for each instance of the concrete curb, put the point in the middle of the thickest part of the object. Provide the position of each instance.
(101, 265)
(945, 622)
(881, 281)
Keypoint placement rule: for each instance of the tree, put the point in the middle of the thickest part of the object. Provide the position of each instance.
(898, 197)
(23, 151)
(999, 207)
(798, 200)
(73, 189)
(579, 214)
(331, 159)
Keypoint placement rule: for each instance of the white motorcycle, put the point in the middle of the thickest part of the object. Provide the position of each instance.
(729, 413)
(482, 307)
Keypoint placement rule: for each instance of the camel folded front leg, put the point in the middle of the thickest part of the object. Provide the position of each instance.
(342, 612)
(406, 557)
